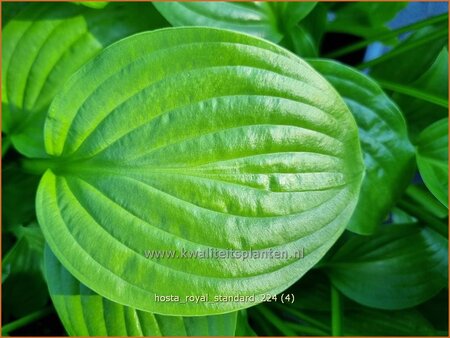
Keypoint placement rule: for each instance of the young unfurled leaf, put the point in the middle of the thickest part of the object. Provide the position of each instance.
(402, 266)
(85, 313)
(263, 19)
(432, 159)
(388, 153)
(43, 46)
(196, 139)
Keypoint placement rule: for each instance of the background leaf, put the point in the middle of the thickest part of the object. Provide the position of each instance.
(433, 82)
(93, 4)
(46, 43)
(85, 313)
(364, 19)
(291, 13)
(24, 282)
(402, 266)
(432, 159)
(232, 143)
(399, 67)
(388, 153)
(269, 20)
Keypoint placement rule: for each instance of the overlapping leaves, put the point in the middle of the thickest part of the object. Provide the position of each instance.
(85, 313)
(196, 139)
(388, 153)
(43, 46)
(402, 266)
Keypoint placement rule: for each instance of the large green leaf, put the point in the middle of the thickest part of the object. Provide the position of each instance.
(432, 159)
(400, 267)
(24, 289)
(43, 46)
(85, 313)
(263, 19)
(433, 82)
(196, 139)
(388, 153)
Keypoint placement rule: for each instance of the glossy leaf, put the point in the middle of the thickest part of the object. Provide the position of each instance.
(305, 38)
(434, 82)
(364, 19)
(432, 159)
(85, 313)
(10, 10)
(231, 143)
(263, 19)
(360, 320)
(24, 289)
(388, 153)
(402, 266)
(43, 46)
(289, 14)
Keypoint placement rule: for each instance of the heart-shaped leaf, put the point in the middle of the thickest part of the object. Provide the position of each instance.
(432, 159)
(194, 141)
(388, 153)
(45, 44)
(263, 19)
(402, 266)
(85, 313)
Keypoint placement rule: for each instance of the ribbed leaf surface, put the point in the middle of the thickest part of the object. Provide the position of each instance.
(196, 139)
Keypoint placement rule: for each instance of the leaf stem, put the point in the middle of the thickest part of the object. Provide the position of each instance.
(21, 322)
(410, 91)
(401, 49)
(388, 35)
(336, 312)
